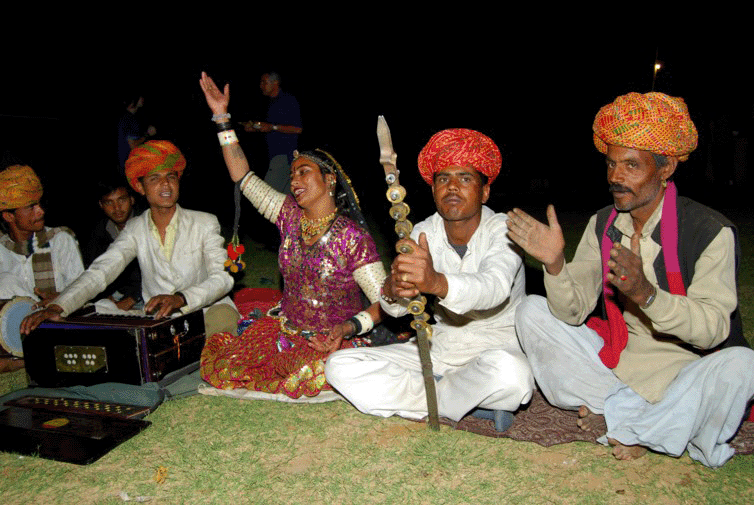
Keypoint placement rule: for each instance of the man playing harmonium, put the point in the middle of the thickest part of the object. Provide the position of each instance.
(180, 252)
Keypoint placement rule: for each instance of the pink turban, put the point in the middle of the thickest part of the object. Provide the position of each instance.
(463, 148)
(653, 122)
(153, 156)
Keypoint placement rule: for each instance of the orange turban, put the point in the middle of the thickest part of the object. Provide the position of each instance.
(19, 187)
(460, 147)
(153, 156)
(653, 122)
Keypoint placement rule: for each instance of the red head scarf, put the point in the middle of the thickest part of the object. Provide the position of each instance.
(460, 147)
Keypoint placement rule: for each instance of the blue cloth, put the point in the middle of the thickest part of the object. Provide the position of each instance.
(283, 110)
(129, 128)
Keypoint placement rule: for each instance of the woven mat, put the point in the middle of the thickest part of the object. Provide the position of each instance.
(546, 425)
(248, 394)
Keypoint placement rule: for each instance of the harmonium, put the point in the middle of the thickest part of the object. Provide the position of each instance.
(89, 348)
(67, 429)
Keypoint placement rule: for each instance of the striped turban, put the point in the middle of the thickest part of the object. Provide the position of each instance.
(653, 122)
(153, 156)
(460, 147)
(19, 187)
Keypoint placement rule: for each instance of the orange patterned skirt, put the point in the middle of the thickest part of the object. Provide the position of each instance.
(266, 358)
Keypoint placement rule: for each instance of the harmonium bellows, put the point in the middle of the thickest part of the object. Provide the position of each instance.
(88, 348)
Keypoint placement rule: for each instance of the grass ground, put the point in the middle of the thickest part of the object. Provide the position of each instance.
(220, 450)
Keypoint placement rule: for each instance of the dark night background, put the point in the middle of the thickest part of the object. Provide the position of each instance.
(536, 101)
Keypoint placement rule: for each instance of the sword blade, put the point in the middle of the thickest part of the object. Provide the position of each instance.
(387, 153)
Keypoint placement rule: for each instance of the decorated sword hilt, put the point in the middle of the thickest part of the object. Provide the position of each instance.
(399, 212)
(416, 305)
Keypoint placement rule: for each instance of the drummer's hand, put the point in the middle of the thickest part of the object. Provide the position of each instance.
(164, 305)
(217, 100)
(34, 319)
(334, 338)
(45, 297)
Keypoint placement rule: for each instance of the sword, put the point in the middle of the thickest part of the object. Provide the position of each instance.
(399, 212)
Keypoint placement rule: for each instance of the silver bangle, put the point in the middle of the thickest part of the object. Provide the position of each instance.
(387, 298)
(215, 117)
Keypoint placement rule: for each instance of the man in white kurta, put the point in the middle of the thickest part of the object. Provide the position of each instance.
(194, 265)
(34, 259)
(17, 270)
(463, 257)
(180, 252)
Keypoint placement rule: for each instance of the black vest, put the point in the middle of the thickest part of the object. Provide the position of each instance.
(698, 225)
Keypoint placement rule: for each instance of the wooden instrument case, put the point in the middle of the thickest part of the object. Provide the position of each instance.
(87, 348)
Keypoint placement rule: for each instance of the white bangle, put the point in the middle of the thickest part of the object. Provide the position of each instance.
(363, 322)
(227, 137)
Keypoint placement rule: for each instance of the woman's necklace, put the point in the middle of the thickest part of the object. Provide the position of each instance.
(311, 228)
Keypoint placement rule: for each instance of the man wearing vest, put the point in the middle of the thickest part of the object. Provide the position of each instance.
(663, 269)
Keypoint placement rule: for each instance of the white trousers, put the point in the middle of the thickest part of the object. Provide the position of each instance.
(701, 411)
(386, 381)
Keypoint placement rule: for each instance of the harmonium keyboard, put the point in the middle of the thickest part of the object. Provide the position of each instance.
(67, 429)
(88, 348)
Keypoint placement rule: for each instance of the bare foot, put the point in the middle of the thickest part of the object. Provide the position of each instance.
(591, 422)
(626, 452)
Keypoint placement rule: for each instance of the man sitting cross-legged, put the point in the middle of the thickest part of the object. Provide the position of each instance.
(462, 256)
(665, 269)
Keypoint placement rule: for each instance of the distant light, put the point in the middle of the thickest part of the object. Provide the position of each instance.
(658, 66)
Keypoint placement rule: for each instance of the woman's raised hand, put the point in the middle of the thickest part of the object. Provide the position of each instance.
(216, 99)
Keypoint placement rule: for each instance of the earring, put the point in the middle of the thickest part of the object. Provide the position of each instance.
(664, 183)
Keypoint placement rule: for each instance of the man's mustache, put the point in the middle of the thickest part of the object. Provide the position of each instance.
(619, 188)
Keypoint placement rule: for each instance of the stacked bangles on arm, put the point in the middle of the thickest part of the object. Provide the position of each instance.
(225, 131)
(362, 323)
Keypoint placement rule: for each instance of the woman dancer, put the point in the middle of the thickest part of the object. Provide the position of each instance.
(324, 258)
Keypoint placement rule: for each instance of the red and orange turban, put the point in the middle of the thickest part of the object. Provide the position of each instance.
(19, 187)
(463, 148)
(153, 156)
(653, 122)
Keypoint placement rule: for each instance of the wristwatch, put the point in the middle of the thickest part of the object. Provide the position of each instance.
(650, 299)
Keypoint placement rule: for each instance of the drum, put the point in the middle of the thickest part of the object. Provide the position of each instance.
(12, 312)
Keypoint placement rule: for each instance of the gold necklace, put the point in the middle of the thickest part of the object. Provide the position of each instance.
(310, 228)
